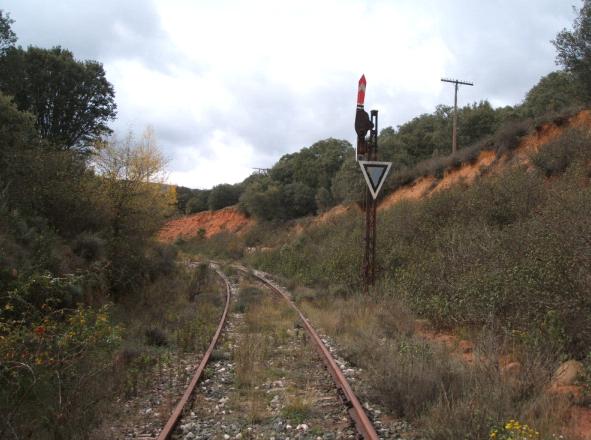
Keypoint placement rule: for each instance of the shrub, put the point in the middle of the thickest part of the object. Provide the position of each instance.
(508, 136)
(91, 247)
(48, 352)
(156, 337)
(573, 145)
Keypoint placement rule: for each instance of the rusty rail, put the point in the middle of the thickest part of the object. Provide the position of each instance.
(176, 414)
(355, 409)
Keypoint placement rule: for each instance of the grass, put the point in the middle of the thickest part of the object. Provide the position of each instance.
(505, 260)
(297, 410)
(427, 383)
(155, 341)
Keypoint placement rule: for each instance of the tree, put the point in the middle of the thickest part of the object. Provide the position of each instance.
(574, 48)
(72, 100)
(198, 201)
(132, 175)
(7, 36)
(477, 121)
(40, 181)
(224, 195)
(314, 166)
(553, 93)
(323, 200)
(348, 185)
(298, 200)
(263, 198)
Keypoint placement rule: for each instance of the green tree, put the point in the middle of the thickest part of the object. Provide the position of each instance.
(477, 121)
(298, 200)
(553, 93)
(198, 201)
(323, 199)
(224, 195)
(40, 181)
(574, 48)
(348, 185)
(7, 36)
(72, 100)
(263, 198)
(314, 166)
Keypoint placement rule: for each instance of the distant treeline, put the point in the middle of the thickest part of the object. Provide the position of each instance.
(325, 174)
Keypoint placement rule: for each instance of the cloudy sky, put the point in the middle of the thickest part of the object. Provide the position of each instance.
(231, 85)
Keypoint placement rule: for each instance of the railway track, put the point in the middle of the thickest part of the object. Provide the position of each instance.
(363, 426)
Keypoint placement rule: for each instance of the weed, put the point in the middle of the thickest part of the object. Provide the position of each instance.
(297, 409)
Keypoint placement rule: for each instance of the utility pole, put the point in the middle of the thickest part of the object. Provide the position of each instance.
(454, 135)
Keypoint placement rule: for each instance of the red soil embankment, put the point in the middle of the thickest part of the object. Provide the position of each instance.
(212, 222)
(487, 160)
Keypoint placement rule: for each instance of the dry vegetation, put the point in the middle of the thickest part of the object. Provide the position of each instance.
(429, 384)
(503, 260)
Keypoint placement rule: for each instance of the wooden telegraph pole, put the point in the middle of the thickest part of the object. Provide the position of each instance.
(454, 135)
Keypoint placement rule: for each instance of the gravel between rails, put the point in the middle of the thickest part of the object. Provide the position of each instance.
(294, 398)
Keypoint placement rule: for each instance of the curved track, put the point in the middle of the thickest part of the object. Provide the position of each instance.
(362, 423)
(176, 414)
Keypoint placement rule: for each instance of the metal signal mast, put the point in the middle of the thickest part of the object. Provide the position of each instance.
(374, 173)
(454, 136)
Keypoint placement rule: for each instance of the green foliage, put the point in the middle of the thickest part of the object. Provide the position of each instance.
(7, 35)
(498, 253)
(198, 202)
(72, 101)
(313, 166)
(554, 93)
(574, 49)
(555, 157)
(429, 135)
(323, 199)
(348, 185)
(73, 232)
(298, 199)
(51, 348)
(298, 183)
(263, 199)
(224, 195)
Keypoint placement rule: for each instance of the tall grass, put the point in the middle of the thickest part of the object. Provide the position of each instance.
(428, 384)
(510, 252)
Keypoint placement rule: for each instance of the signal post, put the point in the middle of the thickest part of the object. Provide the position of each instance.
(374, 173)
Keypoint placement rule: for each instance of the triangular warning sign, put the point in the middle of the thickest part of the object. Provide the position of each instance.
(375, 174)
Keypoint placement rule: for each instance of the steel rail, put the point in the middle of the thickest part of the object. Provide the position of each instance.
(176, 414)
(355, 409)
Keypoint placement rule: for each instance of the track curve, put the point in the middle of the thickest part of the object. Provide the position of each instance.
(168, 429)
(356, 412)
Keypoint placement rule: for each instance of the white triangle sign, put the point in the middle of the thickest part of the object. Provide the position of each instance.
(375, 174)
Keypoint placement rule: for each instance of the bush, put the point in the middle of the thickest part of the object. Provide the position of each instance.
(91, 247)
(55, 360)
(508, 136)
(156, 337)
(224, 195)
(573, 145)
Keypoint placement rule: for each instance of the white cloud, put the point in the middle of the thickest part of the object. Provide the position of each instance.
(230, 160)
(230, 84)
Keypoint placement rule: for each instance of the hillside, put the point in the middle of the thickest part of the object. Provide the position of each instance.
(206, 223)
(493, 250)
(487, 162)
